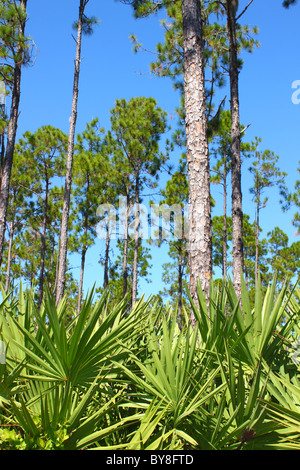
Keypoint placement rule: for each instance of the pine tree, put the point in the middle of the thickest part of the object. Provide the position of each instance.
(200, 260)
(83, 26)
(277, 241)
(284, 259)
(14, 52)
(249, 241)
(229, 8)
(200, 229)
(266, 174)
(20, 208)
(137, 126)
(116, 270)
(220, 173)
(44, 151)
(222, 235)
(175, 197)
(120, 185)
(221, 149)
(237, 211)
(90, 166)
(210, 44)
(175, 273)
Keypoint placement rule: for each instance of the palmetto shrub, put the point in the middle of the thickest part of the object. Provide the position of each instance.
(115, 378)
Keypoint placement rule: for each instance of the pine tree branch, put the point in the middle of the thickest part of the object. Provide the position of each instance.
(244, 11)
(245, 128)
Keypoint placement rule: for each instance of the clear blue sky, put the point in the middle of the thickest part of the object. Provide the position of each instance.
(110, 70)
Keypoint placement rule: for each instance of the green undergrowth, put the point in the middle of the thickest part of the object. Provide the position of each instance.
(116, 378)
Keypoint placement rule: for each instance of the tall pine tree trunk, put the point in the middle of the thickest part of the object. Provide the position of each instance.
(11, 139)
(200, 229)
(136, 241)
(237, 211)
(68, 181)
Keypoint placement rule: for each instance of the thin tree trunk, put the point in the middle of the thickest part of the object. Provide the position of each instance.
(224, 266)
(10, 142)
(68, 181)
(237, 212)
(51, 263)
(136, 241)
(257, 239)
(257, 185)
(43, 246)
(180, 273)
(200, 229)
(107, 245)
(52, 255)
(2, 151)
(83, 254)
(125, 255)
(56, 270)
(9, 255)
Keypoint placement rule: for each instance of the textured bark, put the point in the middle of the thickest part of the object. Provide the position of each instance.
(61, 278)
(136, 242)
(237, 211)
(200, 230)
(10, 143)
